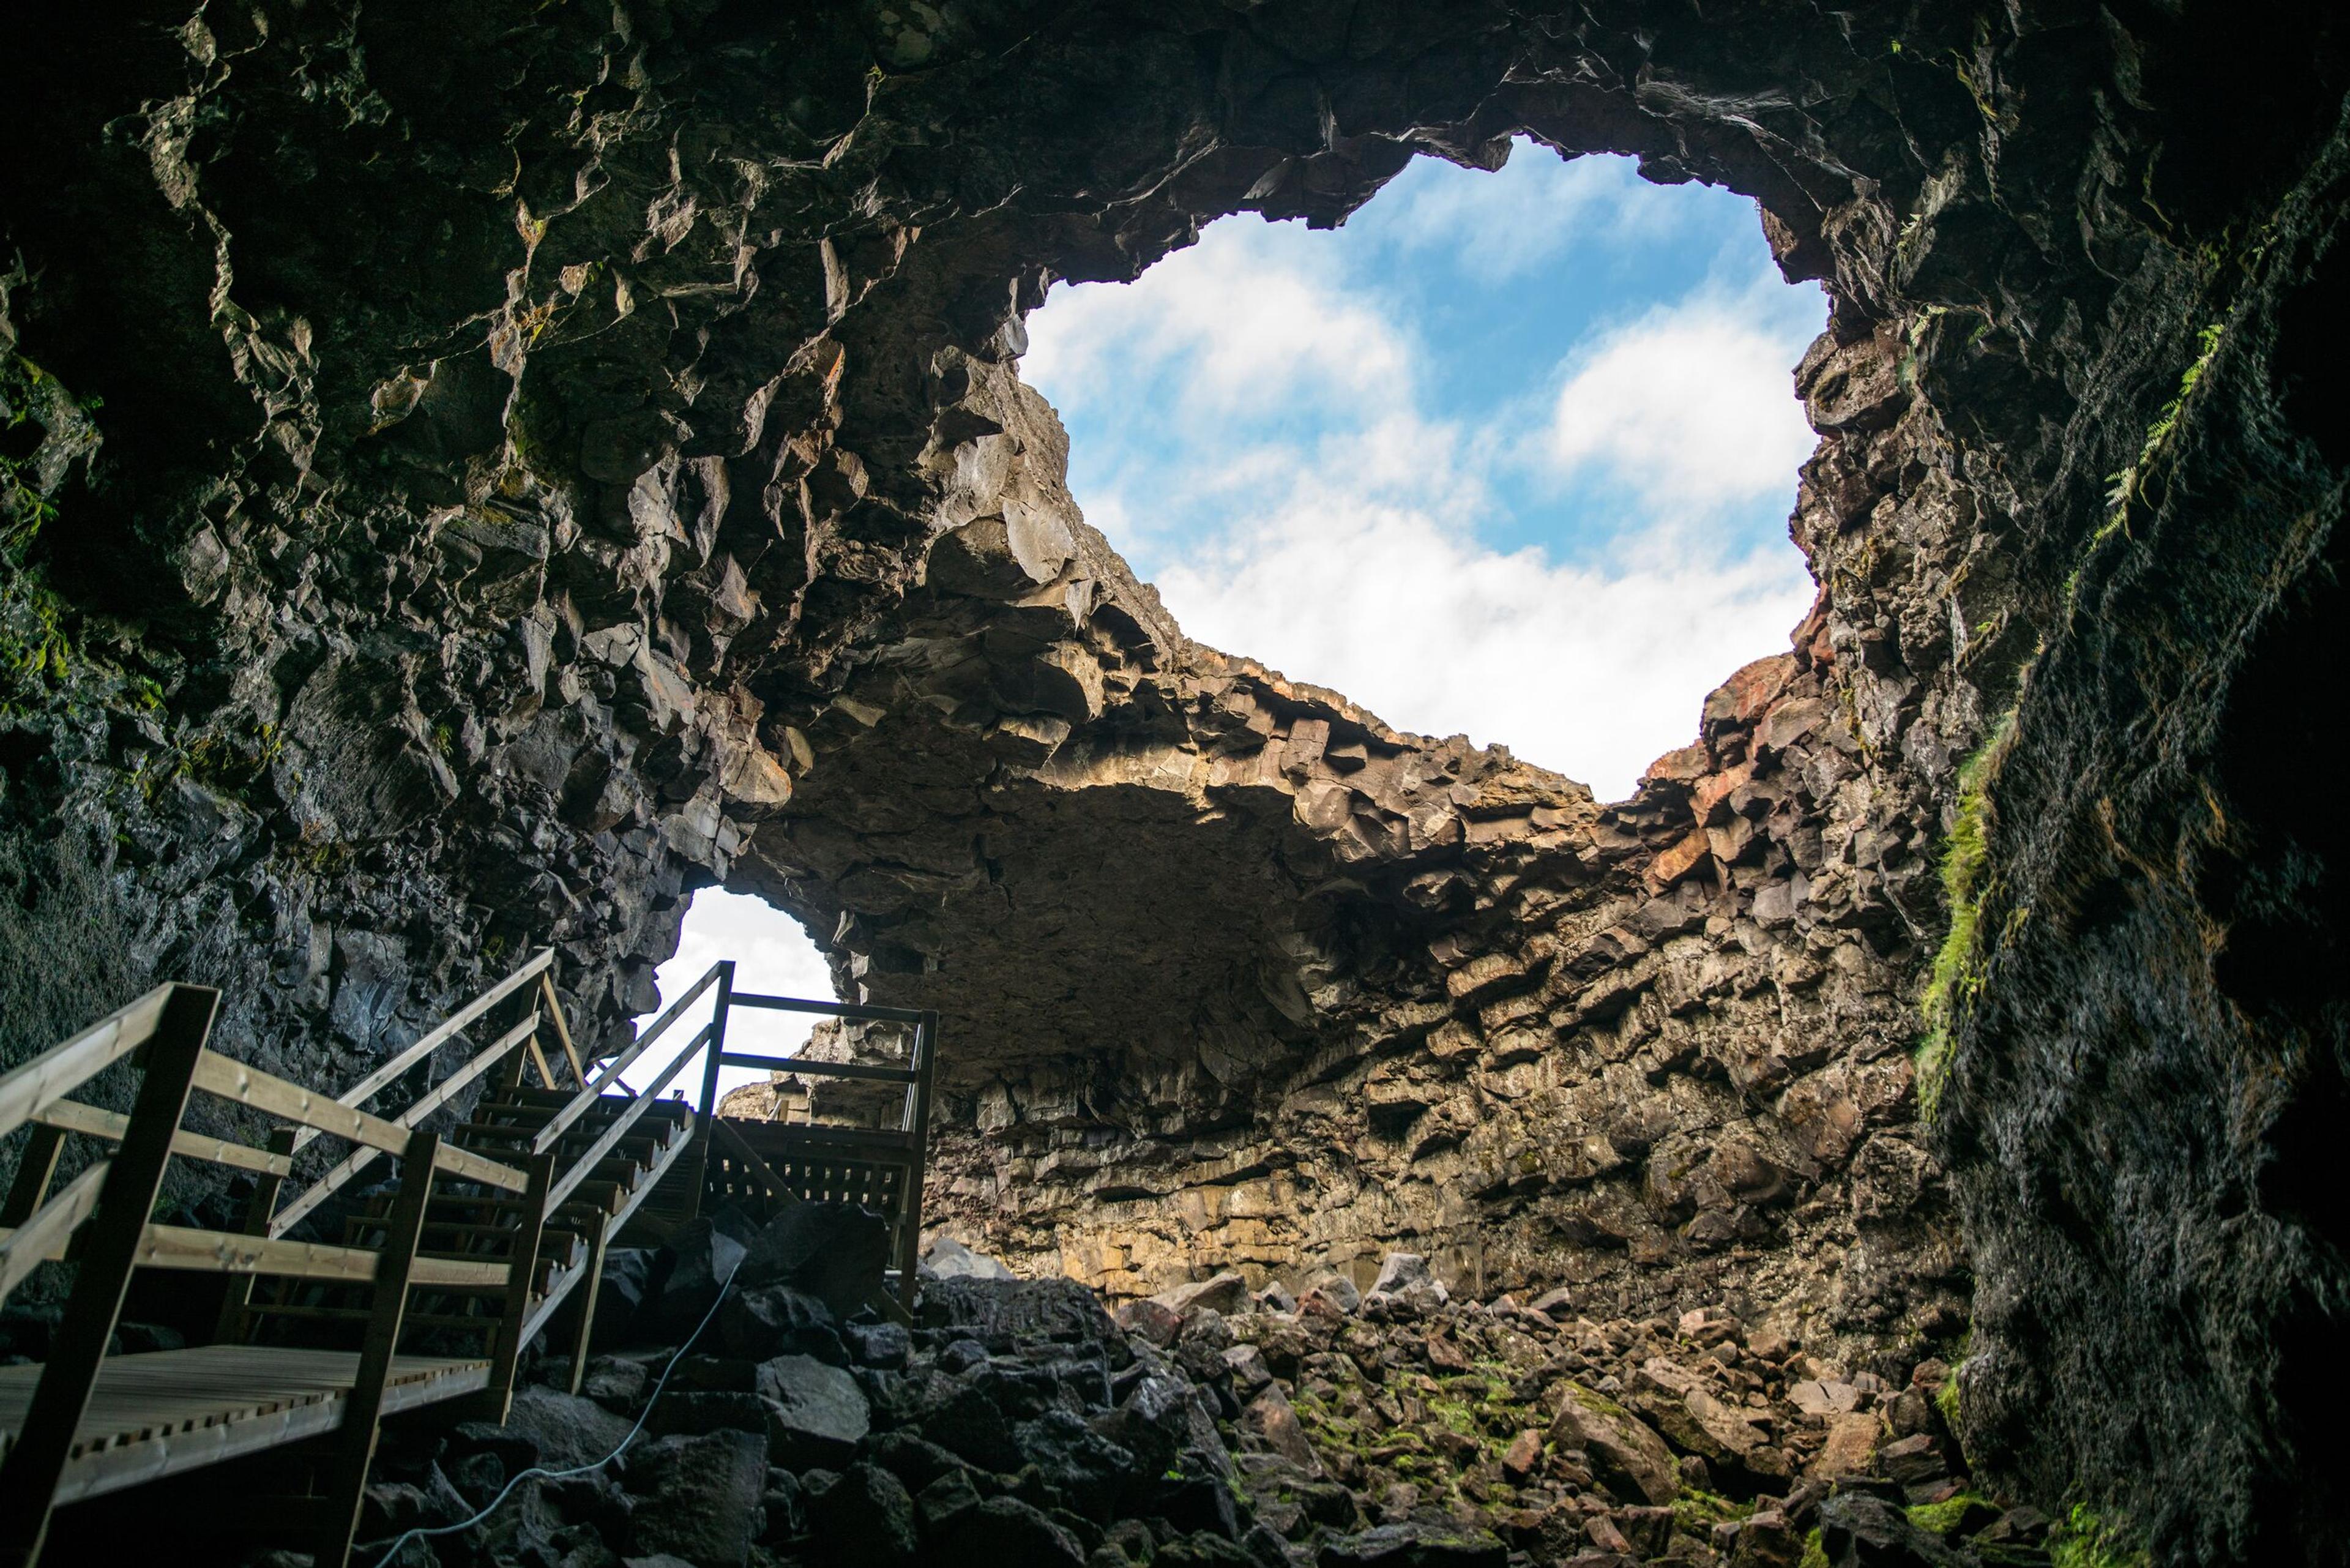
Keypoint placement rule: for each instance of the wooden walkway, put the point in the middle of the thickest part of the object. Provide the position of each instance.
(157, 1414)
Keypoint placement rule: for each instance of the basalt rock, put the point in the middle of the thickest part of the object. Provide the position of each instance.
(476, 473)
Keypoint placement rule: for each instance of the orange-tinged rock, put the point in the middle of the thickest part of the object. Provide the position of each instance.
(1746, 693)
(1686, 765)
(1680, 860)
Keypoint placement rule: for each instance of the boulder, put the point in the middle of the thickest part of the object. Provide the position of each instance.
(1405, 1288)
(694, 1265)
(621, 1291)
(967, 1424)
(951, 1259)
(1088, 1470)
(1225, 1293)
(1270, 1418)
(1624, 1451)
(1415, 1544)
(833, 1252)
(695, 1411)
(913, 1459)
(865, 1518)
(1337, 1291)
(697, 1498)
(564, 1430)
(946, 1499)
(1152, 1319)
(1001, 1314)
(815, 1413)
(886, 1345)
(761, 1321)
(1858, 1531)
(1005, 1533)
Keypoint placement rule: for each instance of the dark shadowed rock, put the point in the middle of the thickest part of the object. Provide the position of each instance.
(697, 1496)
(833, 1252)
(695, 1264)
(761, 1321)
(621, 1296)
(1858, 1531)
(1414, 1545)
(864, 1519)
(997, 1313)
(564, 1430)
(816, 1414)
(1005, 1533)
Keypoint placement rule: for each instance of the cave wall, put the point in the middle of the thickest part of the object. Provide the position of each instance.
(476, 473)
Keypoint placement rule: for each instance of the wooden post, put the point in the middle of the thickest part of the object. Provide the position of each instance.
(28, 1479)
(259, 1208)
(562, 1029)
(910, 1229)
(506, 1348)
(707, 1129)
(34, 1173)
(354, 1449)
(589, 1290)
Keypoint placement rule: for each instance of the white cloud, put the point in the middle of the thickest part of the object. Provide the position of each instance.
(1689, 405)
(772, 955)
(1266, 438)
(1594, 673)
(1509, 224)
(1258, 321)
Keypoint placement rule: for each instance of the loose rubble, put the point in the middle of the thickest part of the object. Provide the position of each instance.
(1020, 1423)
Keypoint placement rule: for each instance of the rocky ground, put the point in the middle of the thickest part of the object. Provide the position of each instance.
(1019, 1423)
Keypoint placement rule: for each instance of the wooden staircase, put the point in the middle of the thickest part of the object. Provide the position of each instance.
(441, 1278)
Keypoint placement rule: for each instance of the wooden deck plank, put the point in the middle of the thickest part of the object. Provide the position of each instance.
(153, 1414)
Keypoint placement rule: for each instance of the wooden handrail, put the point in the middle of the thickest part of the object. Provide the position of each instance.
(560, 1123)
(787, 1066)
(562, 1030)
(229, 1253)
(855, 1009)
(621, 1063)
(63, 1068)
(359, 1094)
(366, 1154)
(44, 1235)
(248, 1086)
(72, 1115)
(628, 1118)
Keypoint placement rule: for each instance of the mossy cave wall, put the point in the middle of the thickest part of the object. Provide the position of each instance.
(474, 475)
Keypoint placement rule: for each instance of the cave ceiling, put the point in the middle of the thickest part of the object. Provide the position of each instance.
(478, 473)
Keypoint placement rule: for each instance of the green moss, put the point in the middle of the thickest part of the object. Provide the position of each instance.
(2082, 1540)
(2125, 488)
(1696, 1512)
(1943, 1517)
(1946, 1400)
(1816, 1553)
(1956, 972)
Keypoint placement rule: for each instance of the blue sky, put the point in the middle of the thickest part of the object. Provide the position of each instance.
(1507, 455)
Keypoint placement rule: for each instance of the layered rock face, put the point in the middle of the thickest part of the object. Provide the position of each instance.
(553, 459)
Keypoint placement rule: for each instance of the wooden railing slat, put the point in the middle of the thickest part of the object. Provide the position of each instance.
(362, 1156)
(248, 1086)
(586, 1164)
(63, 1068)
(439, 1034)
(72, 1115)
(44, 1236)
